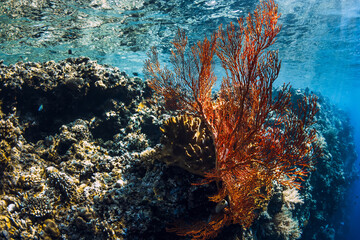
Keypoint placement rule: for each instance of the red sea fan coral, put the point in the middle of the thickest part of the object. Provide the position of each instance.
(259, 138)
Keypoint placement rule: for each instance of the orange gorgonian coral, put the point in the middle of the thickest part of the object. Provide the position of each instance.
(259, 138)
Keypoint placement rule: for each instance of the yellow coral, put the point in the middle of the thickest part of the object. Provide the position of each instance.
(51, 228)
(188, 144)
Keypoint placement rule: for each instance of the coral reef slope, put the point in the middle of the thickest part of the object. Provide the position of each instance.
(81, 157)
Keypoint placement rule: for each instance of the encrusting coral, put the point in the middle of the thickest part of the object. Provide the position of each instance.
(58, 161)
(258, 138)
(9, 135)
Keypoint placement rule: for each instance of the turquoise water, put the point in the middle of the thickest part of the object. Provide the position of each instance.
(319, 43)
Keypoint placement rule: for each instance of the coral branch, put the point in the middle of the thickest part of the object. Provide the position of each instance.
(189, 87)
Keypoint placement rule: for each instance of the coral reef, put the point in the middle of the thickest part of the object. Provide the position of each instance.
(80, 161)
(69, 136)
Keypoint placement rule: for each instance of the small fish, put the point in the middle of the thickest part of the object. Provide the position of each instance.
(221, 205)
(41, 107)
(218, 209)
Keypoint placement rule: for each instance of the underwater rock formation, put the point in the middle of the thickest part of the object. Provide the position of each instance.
(80, 145)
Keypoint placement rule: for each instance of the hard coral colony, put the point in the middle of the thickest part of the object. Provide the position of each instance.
(259, 138)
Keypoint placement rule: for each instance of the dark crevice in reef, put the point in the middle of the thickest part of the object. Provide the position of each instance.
(46, 97)
(51, 112)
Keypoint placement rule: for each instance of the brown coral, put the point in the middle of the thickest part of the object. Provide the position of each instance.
(188, 144)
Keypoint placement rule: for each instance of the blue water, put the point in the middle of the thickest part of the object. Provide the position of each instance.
(319, 43)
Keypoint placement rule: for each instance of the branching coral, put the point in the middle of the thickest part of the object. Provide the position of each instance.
(286, 225)
(259, 138)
